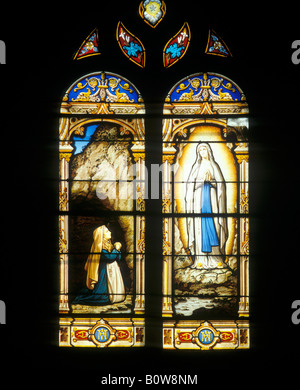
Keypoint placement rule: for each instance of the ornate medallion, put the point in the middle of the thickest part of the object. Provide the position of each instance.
(102, 334)
(152, 11)
(206, 336)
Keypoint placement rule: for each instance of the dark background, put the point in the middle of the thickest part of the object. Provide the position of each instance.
(41, 41)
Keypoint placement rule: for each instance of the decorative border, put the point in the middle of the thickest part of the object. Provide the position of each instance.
(102, 332)
(206, 335)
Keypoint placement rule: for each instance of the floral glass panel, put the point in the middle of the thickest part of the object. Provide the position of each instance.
(101, 221)
(216, 45)
(205, 224)
(90, 46)
(131, 46)
(177, 46)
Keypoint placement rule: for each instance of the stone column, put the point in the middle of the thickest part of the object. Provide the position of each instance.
(167, 196)
(243, 161)
(138, 150)
(65, 153)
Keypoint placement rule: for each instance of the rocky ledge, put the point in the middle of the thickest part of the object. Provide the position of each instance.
(216, 281)
(198, 290)
(203, 276)
(123, 307)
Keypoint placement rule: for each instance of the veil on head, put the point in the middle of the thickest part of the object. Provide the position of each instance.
(209, 151)
(198, 160)
(92, 263)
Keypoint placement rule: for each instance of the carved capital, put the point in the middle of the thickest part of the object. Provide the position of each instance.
(139, 156)
(242, 157)
(67, 156)
(168, 157)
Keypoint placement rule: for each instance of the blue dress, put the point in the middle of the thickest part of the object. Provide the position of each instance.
(99, 295)
(209, 234)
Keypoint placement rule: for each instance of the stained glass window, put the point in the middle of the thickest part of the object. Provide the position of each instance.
(216, 45)
(131, 46)
(89, 47)
(152, 11)
(102, 196)
(205, 207)
(101, 220)
(177, 46)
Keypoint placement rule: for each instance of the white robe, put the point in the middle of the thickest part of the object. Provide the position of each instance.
(115, 284)
(209, 171)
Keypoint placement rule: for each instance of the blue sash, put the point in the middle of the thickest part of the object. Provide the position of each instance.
(209, 234)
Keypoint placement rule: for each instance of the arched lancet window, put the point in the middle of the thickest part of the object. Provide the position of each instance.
(101, 205)
(205, 208)
(106, 139)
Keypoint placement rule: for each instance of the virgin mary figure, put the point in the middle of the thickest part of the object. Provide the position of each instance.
(104, 281)
(206, 194)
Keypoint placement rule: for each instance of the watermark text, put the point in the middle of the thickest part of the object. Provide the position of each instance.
(296, 313)
(2, 52)
(296, 53)
(2, 313)
(125, 182)
(130, 381)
